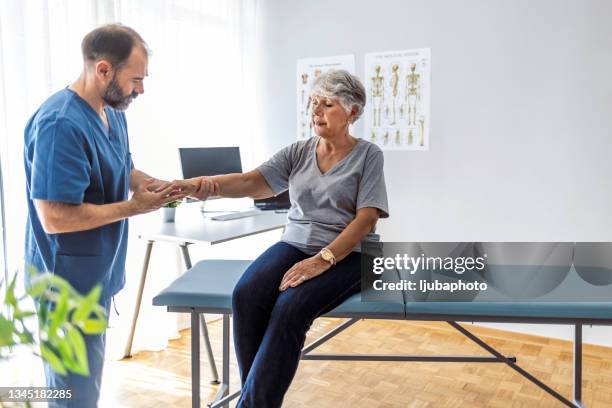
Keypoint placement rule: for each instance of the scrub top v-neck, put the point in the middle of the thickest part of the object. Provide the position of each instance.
(71, 157)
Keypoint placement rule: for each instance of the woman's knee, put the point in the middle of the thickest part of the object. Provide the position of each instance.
(241, 295)
(260, 281)
(251, 291)
(291, 314)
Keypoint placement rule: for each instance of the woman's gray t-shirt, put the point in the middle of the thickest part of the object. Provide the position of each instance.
(324, 204)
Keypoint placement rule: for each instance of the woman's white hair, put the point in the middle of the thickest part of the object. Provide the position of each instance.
(343, 86)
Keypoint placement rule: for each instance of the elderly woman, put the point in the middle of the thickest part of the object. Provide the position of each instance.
(337, 191)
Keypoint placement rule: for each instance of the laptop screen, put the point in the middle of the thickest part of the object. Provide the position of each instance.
(209, 161)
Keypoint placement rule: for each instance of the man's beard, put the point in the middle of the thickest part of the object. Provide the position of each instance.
(114, 98)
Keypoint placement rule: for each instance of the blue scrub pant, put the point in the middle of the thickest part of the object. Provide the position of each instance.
(85, 390)
(270, 326)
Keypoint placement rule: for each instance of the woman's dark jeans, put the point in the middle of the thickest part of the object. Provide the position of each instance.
(270, 326)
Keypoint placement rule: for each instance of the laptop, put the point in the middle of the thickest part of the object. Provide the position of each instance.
(279, 203)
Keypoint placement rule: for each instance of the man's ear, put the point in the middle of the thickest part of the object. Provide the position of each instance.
(104, 69)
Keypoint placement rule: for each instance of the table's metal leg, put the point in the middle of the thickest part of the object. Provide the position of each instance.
(205, 336)
(209, 352)
(512, 364)
(143, 278)
(578, 364)
(226, 354)
(195, 360)
(222, 397)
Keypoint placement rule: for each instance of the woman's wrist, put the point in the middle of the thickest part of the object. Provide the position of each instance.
(328, 256)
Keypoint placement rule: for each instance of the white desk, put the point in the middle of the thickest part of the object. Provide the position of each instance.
(194, 227)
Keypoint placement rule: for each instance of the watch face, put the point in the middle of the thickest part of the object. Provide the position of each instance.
(327, 255)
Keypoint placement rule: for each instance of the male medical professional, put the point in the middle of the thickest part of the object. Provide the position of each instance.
(79, 173)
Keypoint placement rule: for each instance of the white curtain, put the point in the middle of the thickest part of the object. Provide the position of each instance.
(199, 93)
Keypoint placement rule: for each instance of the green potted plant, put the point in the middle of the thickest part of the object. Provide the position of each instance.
(60, 326)
(169, 210)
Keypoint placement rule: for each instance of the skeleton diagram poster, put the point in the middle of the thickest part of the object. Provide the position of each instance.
(307, 70)
(397, 114)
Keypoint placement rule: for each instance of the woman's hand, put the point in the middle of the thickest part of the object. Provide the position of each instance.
(200, 188)
(304, 270)
(207, 187)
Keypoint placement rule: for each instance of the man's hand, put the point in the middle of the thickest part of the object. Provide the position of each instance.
(143, 200)
(304, 270)
(187, 187)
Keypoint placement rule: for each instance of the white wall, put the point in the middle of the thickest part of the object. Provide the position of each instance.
(521, 113)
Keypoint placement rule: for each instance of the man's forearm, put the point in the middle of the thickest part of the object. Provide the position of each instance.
(62, 218)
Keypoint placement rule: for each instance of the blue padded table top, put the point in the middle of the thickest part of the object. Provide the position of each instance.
(208, 287)
(209, 284)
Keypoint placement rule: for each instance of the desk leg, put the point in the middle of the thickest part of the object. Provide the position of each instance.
(143, 278)
(209, 353)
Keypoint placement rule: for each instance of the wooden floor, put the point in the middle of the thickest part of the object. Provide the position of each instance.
(162, 379)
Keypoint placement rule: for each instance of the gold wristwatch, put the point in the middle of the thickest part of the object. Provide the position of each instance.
(328, 256)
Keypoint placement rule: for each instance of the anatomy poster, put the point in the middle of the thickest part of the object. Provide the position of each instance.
(397, 115)
(307, 70)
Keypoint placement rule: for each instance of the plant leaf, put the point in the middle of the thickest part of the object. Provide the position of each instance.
(75, 338)
(52, 358)
(60, 314)
(25, 337)
(87, 305)
(10, 298)
(39, 285)
(23, 314)
(65, 351)
(7, 328)
(43, 313)
(93, 326)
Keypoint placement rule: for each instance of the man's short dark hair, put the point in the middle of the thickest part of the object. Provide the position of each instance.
(113, 42)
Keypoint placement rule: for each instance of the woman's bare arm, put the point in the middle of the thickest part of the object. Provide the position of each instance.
(251, 184)
(362, 225)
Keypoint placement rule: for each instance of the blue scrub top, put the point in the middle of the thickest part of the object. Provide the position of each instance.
(72, 158)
